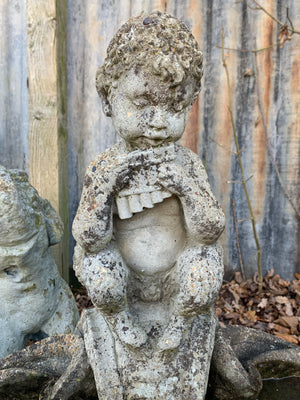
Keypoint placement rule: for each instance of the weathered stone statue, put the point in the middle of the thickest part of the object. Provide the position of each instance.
(147, 224)
(146, 230)
(35, 300)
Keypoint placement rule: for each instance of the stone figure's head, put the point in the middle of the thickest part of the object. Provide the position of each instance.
(29, 225)
(34, 298)
(150, 79)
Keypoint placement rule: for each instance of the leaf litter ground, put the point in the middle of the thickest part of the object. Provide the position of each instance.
(275, 310)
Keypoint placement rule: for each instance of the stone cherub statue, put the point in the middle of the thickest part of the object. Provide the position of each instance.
(147, 224)
(35, 300)
(146, 230)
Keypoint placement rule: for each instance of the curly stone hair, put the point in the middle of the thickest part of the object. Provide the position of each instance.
(159, 42)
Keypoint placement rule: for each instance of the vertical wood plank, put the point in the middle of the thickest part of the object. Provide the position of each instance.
(41, 22)
(92, 25)
(62, 132)
(47, 133)
(14, 149)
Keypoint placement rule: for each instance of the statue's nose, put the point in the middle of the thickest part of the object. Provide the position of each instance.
(158, 119)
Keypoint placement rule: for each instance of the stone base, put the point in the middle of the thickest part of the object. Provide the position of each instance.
(145, 373)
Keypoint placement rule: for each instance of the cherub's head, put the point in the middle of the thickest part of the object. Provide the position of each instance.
(150, 79)
(29, 225)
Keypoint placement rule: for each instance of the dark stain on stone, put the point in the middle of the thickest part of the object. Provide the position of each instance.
(148, 21)
(87, 181)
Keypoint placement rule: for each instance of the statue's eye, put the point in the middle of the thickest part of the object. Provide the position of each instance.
(141, 102)
(11, 270)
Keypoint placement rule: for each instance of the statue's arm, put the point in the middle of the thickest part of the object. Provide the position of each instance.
(92, 226)
(187, 179)
(105, 176)
(204, 217)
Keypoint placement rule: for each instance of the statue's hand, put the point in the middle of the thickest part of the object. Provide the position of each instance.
(125, 167)
(175, 178)
(154, 156)
(115, 176)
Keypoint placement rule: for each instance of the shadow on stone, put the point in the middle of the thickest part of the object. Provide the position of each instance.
(243, 357)
(58, 368)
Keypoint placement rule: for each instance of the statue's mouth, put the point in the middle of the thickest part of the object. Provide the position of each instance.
(148, 141)
(155, 142)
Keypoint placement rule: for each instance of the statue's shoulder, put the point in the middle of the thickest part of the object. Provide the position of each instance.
(188, 158)
(103, 160)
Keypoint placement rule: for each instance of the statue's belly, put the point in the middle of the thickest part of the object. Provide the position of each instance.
(151, 241)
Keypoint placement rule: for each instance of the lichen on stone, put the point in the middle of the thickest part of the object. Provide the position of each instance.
(159, 42)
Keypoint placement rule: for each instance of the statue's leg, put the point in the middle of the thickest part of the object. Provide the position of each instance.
(105, 276)
(200, 274)
(65, 316)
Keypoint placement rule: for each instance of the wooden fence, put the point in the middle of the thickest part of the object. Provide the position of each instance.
(51, 123)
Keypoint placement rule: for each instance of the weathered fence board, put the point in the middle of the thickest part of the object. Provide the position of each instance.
(33, 123)
(14, 145)
(41, 23)
(47, 131)
(209, 126)
(62, 132)
(90, 25)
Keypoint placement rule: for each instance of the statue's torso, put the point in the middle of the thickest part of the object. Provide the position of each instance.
(151, 241)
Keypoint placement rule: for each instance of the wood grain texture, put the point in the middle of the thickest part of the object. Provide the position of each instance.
(209, 129)
(47, 114)
(90, 26)
(62, 132)
(14, 148)
(41, 23)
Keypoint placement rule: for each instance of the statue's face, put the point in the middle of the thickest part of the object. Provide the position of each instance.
(26, 282)
(21, 264)
(142, 111)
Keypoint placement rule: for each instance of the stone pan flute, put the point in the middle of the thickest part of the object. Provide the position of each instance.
(143, 190)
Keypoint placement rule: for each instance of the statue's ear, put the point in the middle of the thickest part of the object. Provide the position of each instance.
(54, 225)
(106, 107)
(102, 92)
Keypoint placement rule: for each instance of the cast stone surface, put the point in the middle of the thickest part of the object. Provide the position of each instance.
(146, 230)
(35, 300)
(147, 224)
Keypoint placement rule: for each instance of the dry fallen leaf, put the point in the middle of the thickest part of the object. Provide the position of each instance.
(281, 300)
(263, 303)
(251, 315)
(289, 322)
(238, 277)
(289, 309)
(281, 329)
(232, 316)
(284, 35)
(289, 338)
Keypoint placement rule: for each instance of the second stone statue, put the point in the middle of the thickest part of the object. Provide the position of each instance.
(147, 223)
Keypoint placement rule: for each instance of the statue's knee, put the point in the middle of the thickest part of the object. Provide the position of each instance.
(105, 278)
(109, 302)
(205, 262)
(200, 276)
